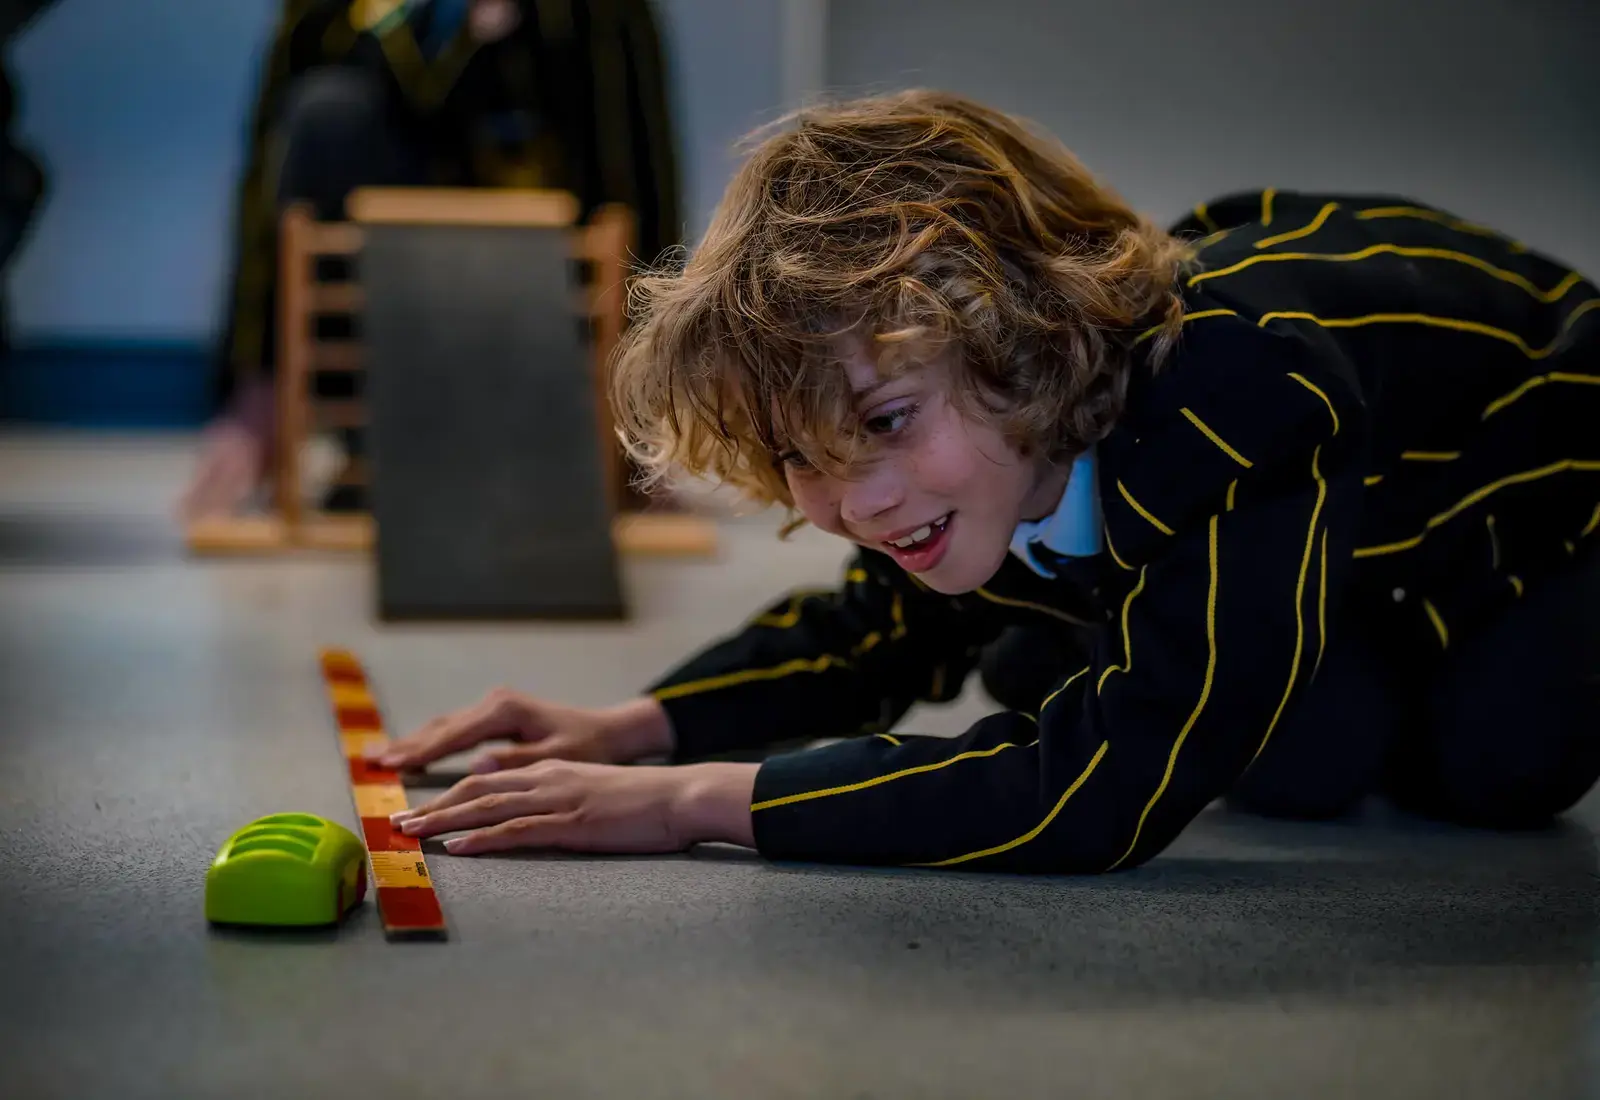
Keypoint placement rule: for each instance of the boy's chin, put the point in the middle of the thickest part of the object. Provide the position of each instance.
(943, 586)
(960, 573)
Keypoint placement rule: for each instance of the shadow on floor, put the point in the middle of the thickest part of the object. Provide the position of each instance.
(1238, 906)
(50, 539)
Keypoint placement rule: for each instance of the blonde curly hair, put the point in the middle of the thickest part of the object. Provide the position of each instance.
(913, 226)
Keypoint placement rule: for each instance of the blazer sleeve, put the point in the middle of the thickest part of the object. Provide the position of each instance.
(1219, 629)
(837, 663)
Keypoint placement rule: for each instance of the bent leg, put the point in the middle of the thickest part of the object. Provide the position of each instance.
(1327, 753)
(335, 132)
(1511, 734)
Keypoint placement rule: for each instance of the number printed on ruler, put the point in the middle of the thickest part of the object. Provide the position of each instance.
(399, 869)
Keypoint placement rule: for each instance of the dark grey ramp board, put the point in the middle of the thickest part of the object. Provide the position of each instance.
(489, 494)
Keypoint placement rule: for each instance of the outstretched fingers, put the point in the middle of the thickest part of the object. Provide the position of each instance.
(550, 830)
(491, 789)
(498, 714)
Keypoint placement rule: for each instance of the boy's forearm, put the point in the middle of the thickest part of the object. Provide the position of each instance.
(640, 728)
(815, 665)
(715, 803)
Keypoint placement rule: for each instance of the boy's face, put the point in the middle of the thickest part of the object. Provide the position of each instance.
(942, 493)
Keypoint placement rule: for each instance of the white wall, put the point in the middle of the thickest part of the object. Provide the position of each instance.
(1490, 107)
(727, 65)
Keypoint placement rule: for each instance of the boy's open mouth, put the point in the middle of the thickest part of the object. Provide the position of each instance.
(921, 549)
(922, 534)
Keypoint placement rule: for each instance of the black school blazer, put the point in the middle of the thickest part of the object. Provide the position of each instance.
(1375, 408)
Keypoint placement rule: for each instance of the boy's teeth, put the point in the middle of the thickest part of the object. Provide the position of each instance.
(921, 534)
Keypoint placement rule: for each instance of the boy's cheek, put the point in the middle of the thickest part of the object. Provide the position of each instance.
(819, 508)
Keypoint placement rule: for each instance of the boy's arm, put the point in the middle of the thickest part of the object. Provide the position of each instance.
(1219, 631)
(822, 664)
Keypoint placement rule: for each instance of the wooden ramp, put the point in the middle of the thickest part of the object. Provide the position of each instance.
(493, 482)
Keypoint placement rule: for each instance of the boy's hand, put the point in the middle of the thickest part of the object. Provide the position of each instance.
(549, 731)
(591, 808)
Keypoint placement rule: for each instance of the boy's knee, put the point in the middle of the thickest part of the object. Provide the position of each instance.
(1311, 799)
(1491, 757)
(1513, 786)
(1325, 758)
(1511, 736)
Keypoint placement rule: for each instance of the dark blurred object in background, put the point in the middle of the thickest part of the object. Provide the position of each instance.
(16, 14)
(22, 181)
(564, 94)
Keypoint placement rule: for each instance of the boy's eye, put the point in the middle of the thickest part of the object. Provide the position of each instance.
(794, 460)
(890, 421)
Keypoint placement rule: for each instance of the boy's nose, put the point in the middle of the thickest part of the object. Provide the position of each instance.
(867, 500)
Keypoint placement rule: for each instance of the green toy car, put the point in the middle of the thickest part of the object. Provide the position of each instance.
(287, 869)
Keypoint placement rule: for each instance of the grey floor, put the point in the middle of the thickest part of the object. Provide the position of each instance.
(150, 705)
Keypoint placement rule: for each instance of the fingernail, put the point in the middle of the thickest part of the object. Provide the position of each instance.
(411, 825)
(400, 815)
(455, 844)
(486, 764)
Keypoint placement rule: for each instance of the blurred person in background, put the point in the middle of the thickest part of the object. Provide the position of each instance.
(563, 94)
(22, 178)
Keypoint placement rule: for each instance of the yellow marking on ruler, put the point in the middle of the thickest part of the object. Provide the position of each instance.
(362, 742)
(378, 799)
(390, 869)
(342, 661)
(399, 869)
(350, 695)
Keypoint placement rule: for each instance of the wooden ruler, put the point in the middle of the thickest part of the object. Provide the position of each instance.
(406, 898)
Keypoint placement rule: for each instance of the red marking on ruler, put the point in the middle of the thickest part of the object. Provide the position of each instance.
(410, 909)
(363, 770)
(383, 837)
(406, 910)
(351, 719)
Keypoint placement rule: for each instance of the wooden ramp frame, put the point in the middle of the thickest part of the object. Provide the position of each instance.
(599, 247)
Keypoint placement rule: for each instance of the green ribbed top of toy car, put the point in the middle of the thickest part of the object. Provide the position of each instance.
(287, 869)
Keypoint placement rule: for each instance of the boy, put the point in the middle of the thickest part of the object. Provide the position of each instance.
(1296, 512)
